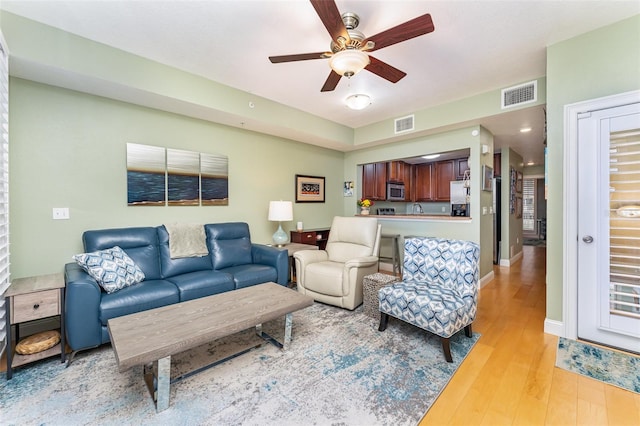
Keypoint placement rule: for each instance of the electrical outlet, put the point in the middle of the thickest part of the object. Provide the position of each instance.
(484, 210)
(60, 213)
(444, 209)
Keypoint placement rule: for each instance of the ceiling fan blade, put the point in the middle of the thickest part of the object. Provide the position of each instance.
(298, 57)
(331, 18)
(410, 29)
(332, 82)
(384, 70)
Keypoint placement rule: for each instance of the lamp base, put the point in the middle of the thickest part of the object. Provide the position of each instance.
(280, 237)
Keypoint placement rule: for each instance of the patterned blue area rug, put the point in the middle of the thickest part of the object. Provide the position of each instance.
(338, 370)
(612, 367)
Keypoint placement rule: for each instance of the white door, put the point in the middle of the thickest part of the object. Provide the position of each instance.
(609, 227)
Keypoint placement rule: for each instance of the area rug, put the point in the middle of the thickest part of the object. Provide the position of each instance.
(534, 242)
(612, 367)
(338, 370)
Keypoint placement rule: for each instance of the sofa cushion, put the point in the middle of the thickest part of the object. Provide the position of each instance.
(111, 268)
(201, 284)
(229, 244)
(141, 244)
(149, 294)
(248, 275)
(172, 267)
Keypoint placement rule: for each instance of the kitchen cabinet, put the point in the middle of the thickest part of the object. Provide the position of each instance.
(408, 183)
(396, 171)
(374, 181)
(461, 166)
(423, 182)
(444, 173)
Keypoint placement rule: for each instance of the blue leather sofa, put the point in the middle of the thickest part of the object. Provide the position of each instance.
(233, 262)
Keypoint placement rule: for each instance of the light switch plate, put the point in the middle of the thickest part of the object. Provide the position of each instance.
(60, 213)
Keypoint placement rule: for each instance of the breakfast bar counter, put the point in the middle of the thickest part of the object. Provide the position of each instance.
(421, 217)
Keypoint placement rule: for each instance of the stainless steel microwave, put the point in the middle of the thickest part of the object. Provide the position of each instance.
(395, 191)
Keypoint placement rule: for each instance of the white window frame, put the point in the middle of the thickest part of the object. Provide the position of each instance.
(4, 188)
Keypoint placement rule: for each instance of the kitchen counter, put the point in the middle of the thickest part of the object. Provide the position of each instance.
(422, 217)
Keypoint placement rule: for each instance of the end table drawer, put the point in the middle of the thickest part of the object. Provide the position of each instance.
(308, 237)
(31, 306)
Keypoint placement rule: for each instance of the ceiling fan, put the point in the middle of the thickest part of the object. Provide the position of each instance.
(349, 47)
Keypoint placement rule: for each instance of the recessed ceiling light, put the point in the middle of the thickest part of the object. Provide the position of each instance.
(358, 102)
(431, 156)
(525, 129)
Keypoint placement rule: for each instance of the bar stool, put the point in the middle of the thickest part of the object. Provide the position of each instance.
(395, 252)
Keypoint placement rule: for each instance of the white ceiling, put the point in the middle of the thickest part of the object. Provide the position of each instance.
(477, 46)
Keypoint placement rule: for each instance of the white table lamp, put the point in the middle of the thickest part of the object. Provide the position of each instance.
(280, 211)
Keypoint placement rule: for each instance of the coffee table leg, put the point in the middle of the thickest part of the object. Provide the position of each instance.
(259, 329)
(164, 382)
(159, 386)
(288, 321)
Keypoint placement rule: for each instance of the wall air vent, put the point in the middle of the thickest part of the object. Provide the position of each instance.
(404, 124)
(519, 95)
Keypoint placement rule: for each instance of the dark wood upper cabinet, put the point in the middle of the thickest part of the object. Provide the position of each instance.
(462, 165)
(423, 183)
(396, 171)
(374, 181)
(444, 174)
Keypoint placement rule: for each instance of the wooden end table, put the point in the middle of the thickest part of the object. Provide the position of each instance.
(29, 299)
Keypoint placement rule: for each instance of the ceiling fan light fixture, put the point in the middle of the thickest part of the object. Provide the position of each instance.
(358, 102)
(349, 62)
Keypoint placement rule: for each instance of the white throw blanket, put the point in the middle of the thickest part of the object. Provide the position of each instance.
(186, 240)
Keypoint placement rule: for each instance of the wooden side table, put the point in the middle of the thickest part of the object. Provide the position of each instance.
(29, 299)
(316, 237)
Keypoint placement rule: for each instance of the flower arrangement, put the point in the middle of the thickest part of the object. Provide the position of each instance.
(365, 202)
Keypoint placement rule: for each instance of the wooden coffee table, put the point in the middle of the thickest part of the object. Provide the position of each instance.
(150, 338)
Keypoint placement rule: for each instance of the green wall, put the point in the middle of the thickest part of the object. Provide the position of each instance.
(511, 225)
(596, 64)
(68, 149)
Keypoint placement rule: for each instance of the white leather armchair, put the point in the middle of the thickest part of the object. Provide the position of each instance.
(334, 275)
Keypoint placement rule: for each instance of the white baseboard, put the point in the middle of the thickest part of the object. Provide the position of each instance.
(554, 327)
(387, 267)
(509, 262)
(487, 279)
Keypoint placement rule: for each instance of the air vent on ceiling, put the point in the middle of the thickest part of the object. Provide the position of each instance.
(404, 124)
(519, 95)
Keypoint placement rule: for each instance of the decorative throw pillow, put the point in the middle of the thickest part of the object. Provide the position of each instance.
(112, 268)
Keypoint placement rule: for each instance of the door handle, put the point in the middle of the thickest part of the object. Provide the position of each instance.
(587, 239)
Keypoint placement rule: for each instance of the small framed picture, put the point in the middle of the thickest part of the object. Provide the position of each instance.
(309, 189)
(348, 189)
(519, 182)
(487, 178)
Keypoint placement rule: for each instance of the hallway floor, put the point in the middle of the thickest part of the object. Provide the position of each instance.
(510, 378)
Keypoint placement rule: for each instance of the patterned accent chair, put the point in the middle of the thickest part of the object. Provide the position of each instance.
(439, 288)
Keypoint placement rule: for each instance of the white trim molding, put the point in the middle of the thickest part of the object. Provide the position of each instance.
(487, 279)
(570, 205)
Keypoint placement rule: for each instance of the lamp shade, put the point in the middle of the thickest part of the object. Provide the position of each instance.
(349, 62)
(280, 211)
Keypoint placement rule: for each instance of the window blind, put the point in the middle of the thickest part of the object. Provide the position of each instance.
(4, 188)
(529, 205)
(624, 245)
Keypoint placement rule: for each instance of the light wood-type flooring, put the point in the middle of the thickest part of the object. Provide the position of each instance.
(510, 378)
